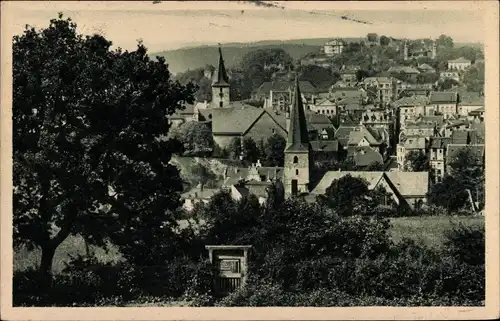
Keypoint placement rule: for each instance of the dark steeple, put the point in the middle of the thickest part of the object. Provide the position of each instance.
(221, 79)
(298, 139)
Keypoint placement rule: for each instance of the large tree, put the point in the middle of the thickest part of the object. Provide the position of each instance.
(416, 161)
(86, 153)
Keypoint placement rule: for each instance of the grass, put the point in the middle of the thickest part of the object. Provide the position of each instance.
(428, 229)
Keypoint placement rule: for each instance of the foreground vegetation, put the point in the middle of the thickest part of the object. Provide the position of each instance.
(89, 161)
(429, 230)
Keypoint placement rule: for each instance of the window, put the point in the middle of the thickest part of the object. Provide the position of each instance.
(273, 131)
(220, 104)
(296, 172)
(295, 159)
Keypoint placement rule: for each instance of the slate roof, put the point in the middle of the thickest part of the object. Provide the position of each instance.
(439, 142)
(364, 155)
(221, 78)
(342, 134)
(477, 151)
(471, 99)
(325, 145)
(460, 60)
(417, 100)
(305, 86)
(414, 142)
(406, 183)
(459, 137)
(297, 135)
(355, 136)
(235, 119)
(235, 174)
(443, 97)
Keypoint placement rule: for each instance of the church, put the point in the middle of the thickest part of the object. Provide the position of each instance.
(298, 177)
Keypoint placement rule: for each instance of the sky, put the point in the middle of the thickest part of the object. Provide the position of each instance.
(174, 24)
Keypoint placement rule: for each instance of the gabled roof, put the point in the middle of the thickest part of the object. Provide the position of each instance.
(221, 78)
(460, 60)
(416, 100)
(298, 136)
(459, 137)
(365, 156)
(439, 142)
(471, 99)
(360, 132)
(235, 119)
(342, 134)
(414, 142)
(443, 97)
(325, 145)
(198, 193)
(407, 184)
(410, 183)
(235, 174)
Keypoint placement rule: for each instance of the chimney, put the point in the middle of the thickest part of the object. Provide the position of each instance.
(225, 172)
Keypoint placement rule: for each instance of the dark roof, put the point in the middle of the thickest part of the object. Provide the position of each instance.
(439, 142)
(366, 157)
(298, 139)
(221, 79)
(443, 97)
(342, 134)
(305, 86)
(477, 151)
(325, 145)
(459, 137)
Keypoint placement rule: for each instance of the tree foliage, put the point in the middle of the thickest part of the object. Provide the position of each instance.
(274, 150)
(196, 138)
(416, 161)
(86, 122)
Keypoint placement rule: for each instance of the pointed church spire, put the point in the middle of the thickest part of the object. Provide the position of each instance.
(298, 139)
(221, 79)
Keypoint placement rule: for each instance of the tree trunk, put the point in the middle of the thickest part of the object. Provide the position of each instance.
(46, 265)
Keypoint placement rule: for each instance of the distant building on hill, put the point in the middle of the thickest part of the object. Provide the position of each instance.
(334, 47)
(459, 64)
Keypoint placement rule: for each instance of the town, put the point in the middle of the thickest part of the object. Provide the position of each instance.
(399, 127)
(347, 173)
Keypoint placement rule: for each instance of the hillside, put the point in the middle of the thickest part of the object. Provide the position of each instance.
(181, 60)
(193, 57)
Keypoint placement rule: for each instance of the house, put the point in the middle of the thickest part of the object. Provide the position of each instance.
(364, 156)
(477, 151)
(378, 118)
(325, 106)
(407, 145)
(426, 69)
(320, 126)
(334, 47)
(197, 195)
(407, 189)
(348, 75)
(469, 102)
(477, 114)
(186, 114)
(419, 128)
(453, 125)
(437, 156)
(449, 75)
(443, 103)
(459, 64)
(278, 94)
(325, 150)
(386, 88)
(409, 108)
(404, 72)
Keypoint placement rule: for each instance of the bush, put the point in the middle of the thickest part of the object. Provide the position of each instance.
(466, 244)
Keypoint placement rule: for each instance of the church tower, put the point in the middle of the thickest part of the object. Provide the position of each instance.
(297, 150)
(405, 50)
(434, 50)
(220, 85)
